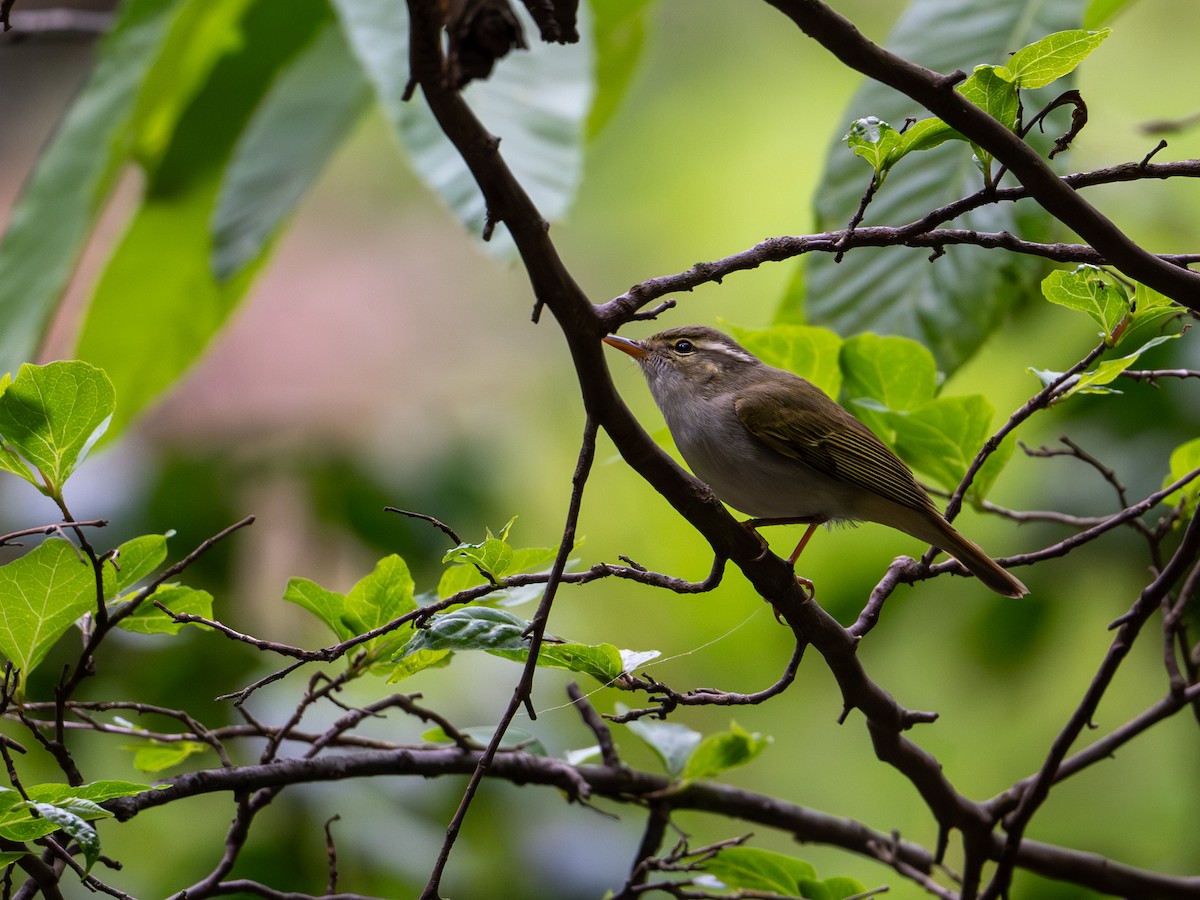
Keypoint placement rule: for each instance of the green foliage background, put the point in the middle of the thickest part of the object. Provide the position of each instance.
(381, 359)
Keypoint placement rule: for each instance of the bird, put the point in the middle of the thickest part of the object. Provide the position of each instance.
(776, 447)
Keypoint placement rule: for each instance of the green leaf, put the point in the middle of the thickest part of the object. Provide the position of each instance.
(998, 98)
(752, 869)
(924, 134)
(417, 661)
(471, 628)
(481, 736)
(1149, 306)
(875, 141)
(1106, 371)
(158, 289)
(600, 661)
(41, 595)
(940, 438)
(73, 178)
(1050, 58)
(1089, 290)
(179, 598)
(719, 752)
(838, 887)
(275, 161)
(51, 415)
(673, 742)
(620, 33)
(493, 555)
(328, 606)
(157, 756)
(8, 857)
(138, 557)
(809, 352)
(536, 101)
(1185, 459)
(384, 595)
(896, 372)
(1101, 11)
(954, 303)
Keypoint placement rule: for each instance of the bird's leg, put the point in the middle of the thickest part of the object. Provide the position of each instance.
(811, 521)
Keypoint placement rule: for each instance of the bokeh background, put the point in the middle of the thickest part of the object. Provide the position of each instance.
(383, 358)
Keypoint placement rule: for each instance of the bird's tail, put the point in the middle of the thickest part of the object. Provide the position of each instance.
(977, 561)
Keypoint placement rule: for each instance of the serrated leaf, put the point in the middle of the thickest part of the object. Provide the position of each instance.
(51, 415)
(179, 598)
(672, 742)
(1185, 459)
(1089, 290)
(275, 161)
(74, 176)
(752, 869)
(157, 756)
(1051, 58)
(42, 594)
(725, 750)
(953, 304)
(804, 350)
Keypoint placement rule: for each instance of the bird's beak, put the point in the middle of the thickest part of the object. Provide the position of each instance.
(636, 349)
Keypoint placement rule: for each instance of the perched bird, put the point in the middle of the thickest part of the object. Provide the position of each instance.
(778, 448)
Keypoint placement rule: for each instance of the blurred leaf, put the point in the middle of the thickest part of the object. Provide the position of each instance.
(673, 742)
(940, 438)
(51, 415)
(158, 289)
(1101, 11)
(138, 557)
(536, 101)
(809, 352)
(305, 115)
(1051, 58)
(481, 736)
(752, 869)
(838, 887)
(179, 598)
(73, 178)
(725, 750)
(620, 32)
(582, 755)
(1185, 459)
(953, 304)
(41, 595)
(1089, 290)
(158, 756)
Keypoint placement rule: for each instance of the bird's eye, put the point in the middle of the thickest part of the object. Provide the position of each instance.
(684, 346)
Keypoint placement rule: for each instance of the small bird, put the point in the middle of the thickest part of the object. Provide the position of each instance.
(776, 447)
